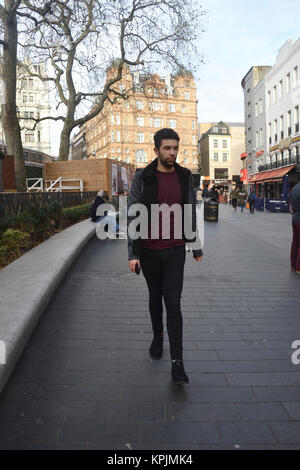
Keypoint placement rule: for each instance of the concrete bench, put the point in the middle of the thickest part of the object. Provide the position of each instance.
(27, 285)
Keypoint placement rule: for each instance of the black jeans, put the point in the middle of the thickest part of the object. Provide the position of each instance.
(163, 271)
(252, 206)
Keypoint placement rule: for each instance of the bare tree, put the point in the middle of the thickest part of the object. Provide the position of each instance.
(8, 112)
(9, 42)
(80, 39)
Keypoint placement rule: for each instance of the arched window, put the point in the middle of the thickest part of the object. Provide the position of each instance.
(141, 156)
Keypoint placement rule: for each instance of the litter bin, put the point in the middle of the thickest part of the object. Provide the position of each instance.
(211, 211)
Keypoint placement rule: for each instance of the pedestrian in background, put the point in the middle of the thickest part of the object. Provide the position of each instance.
(295, 208)
(241, 198)
(234, 198)
(252, 199)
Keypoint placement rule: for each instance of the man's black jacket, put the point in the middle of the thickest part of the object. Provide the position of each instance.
(144, 190)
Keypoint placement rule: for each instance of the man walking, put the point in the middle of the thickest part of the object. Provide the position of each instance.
(234, 198)
(162, 260)
(295, 206)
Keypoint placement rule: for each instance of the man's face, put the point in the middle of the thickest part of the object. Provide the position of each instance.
(167, 153)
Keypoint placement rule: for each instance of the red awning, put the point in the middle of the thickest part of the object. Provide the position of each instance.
(274, 175)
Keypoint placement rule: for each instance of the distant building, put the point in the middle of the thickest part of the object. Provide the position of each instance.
(220, 148)
(125, 131)
(32, 101)
(272, 100)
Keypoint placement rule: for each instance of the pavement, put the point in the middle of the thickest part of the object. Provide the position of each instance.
(85, 379)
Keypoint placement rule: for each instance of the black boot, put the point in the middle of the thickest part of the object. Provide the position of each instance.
(178, 373)
(156, 348)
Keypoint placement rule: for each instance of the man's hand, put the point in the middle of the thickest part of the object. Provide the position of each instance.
(199, 258)
(132, 264)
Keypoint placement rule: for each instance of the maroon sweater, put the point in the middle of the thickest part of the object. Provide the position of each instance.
(169, 192)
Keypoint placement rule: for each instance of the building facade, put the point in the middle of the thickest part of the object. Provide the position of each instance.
(125, 130)
(220, 147)
(272, 130)
(32, 99)
(255, 125)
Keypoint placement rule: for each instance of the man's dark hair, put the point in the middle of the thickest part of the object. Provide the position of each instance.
(165, 134)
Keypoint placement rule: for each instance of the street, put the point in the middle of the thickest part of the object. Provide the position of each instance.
(86, 381)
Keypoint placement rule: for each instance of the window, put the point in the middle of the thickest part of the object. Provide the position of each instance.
(117, 120)
(122, 88)
(112, 137)
(221, 173)
(112, 120)
(104, 142)
(126, 105)
(185, 161)
(296, 119)
(172, 108)
(139, 105)
(224, 157)
(274, 94)
(183, 109)
(256, 139)
(280, 89)
(281, 127)
(25, 98)
(141, 156)
(140, 137)
(140, 121)
(269, 99)
(172, 123)
(260, 108)
(289, 122)
(224, 144)
(127, 160)
(295, 77)
(260, 137)
(104, 125)
(187, 95)
(193, 124)
(195, 161)
(288, 83)
(216, 157)
(194, 140)
(127, 150)
(30, 84)
(30, 98)
(256, 109)
(118, 136)
(39, 136)
(155, 92)
(29, 136)
(224, 130)
(157, 122)
(275, 130)
(216, 145)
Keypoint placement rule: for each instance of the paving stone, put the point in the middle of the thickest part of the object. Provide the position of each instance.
(86, 381)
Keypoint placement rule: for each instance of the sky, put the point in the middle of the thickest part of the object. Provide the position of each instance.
(239, 34)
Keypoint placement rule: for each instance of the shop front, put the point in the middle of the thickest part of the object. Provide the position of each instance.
(272, 188)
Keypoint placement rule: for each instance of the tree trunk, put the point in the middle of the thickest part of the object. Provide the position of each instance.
(65, 142)
(10, 121)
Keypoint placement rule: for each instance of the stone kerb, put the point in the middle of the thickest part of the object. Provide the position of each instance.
(27, 285)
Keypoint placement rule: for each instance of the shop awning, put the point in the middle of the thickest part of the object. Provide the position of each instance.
(271, 176)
